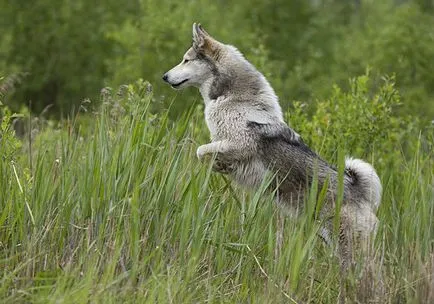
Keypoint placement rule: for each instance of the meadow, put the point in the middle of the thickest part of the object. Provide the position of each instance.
(112, 206)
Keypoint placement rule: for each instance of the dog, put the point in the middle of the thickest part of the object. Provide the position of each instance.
(250, 139)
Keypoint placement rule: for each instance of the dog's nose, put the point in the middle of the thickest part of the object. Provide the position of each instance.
(165, 77)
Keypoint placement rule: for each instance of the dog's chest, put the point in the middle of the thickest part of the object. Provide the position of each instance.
(224, 121)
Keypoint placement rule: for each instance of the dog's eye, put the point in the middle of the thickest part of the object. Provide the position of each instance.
(186, 60)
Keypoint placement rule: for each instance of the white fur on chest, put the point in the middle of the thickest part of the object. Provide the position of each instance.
(225, 120)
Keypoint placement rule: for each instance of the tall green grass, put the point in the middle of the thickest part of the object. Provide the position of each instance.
(117, 209)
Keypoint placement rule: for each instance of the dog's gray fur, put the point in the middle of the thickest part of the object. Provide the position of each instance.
(250, 138)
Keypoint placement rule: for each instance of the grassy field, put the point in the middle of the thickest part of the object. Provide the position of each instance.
(114, 207)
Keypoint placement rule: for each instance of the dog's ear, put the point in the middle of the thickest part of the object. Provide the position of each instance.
(198, 37)
(203, 30)
(204, 43)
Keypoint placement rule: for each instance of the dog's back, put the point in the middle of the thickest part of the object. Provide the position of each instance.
(296, 165)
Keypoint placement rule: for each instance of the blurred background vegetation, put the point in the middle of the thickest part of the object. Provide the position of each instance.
(54, 54)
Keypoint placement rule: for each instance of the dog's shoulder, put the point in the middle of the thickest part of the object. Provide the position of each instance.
(274, 130)
(279, 133)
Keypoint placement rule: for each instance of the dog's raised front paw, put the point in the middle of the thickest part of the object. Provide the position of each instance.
(201, 152)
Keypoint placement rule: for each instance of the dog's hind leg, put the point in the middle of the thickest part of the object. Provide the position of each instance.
(357, 230)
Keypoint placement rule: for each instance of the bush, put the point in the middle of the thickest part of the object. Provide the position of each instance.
(360, 121)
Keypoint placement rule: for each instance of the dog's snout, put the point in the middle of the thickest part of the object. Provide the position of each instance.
(165, 77)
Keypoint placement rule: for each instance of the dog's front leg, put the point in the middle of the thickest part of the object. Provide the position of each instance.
(224, 153)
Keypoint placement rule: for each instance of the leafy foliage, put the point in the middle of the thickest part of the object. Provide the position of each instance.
(9, 144)
(360, 121)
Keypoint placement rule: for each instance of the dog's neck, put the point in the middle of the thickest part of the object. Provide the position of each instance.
(205, 89)
(230, 84)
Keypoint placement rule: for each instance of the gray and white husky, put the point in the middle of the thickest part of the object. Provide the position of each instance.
(249, 139)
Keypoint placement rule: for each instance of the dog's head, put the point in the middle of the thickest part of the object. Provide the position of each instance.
(199, 62)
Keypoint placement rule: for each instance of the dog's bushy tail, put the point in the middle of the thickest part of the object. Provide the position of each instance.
(365, 177)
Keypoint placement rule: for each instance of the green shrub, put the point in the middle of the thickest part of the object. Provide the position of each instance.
(362, 121)
(9, 144)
